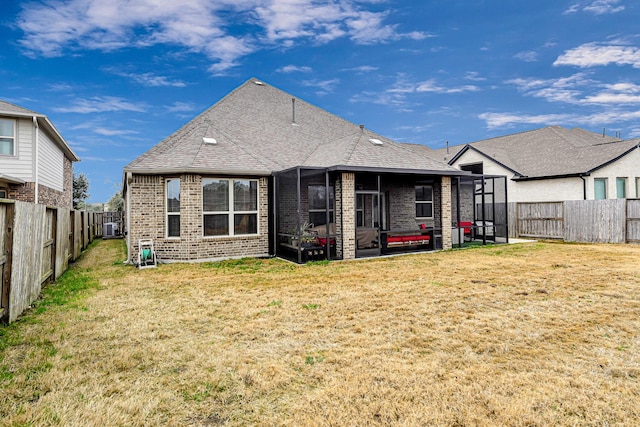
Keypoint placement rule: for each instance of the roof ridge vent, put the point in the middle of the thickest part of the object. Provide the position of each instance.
(211, 141)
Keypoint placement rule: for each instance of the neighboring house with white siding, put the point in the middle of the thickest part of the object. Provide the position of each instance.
(552, 164)
(36, 163)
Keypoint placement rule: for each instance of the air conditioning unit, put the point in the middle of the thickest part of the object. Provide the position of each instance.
(110, 230)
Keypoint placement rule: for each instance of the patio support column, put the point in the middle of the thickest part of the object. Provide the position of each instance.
(445, 212)
(348, 215)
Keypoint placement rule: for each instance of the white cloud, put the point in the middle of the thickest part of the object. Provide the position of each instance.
(597, 7)
(596, 54)
(149, 79)
(566, 89)
(324, 86)
(101, 105)
(362, 69)
(54, 27)
(431, 86)
(181, 107)
(113, 132)
(610, 116)
(293, 69)
(527, 56)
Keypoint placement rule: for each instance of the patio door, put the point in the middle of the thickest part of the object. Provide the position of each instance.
(367, 223)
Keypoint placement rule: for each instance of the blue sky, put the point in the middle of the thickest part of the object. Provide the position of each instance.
(118, 76)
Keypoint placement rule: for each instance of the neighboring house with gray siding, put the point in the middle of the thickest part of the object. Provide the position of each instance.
(262, 173)
(36, 163)
(552, 164)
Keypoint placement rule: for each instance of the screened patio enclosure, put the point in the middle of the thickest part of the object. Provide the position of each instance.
(328, 213)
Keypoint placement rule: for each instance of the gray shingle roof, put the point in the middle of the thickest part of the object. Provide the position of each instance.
(547, 152)
(10, 109)
(255, 134)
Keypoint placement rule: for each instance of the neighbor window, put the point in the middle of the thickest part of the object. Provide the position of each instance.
(637, 188)
(3, 194)
(318, 204)
(621, 188)
(229, 207)
(7, 137)
(600, 188)
(173, 207)
(424, 201)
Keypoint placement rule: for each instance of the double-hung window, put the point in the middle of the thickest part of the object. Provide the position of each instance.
(229, 207)
(424, 201)
(7, 137)
(173, 207)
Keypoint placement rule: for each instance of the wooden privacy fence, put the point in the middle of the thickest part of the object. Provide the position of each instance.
(592, 221)
(37, 243)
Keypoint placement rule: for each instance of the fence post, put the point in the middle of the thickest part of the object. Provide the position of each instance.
(7, 256)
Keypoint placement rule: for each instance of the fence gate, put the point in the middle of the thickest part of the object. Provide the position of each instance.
(49, 246)
(633, 221)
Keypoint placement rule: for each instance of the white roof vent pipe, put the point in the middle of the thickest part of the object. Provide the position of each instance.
(209, 140)
(375, 141)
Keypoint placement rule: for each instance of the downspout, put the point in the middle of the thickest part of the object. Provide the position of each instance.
(36, 149)
(584, 187)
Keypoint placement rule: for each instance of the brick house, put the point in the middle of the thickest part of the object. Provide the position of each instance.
(36, 163)
(262, 173)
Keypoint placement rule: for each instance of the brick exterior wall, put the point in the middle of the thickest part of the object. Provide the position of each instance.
(148, 221)
(348, 225)
(46, 196)
(445, 203)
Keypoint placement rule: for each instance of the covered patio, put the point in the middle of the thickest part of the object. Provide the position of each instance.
(333, 213)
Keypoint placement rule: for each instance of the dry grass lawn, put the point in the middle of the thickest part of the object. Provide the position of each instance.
(532, 334)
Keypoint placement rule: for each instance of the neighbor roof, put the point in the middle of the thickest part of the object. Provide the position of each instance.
(258, 129)
(8, 109)
(552, 151)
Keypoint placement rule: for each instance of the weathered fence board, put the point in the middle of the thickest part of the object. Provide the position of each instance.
(28, 239)
(590, 221)
(596, 221)
(63, 241)
(541, 220)
(37, 244)
(633, 221)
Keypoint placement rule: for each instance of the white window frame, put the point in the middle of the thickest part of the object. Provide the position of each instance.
(12, 137)
(231, 213)
(166, 201)
(430, 202)
(637, 188)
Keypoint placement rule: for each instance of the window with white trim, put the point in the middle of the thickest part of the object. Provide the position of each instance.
(173, 207)
(637, 188)
(229, 207)
(424, 201)
(7, 137)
